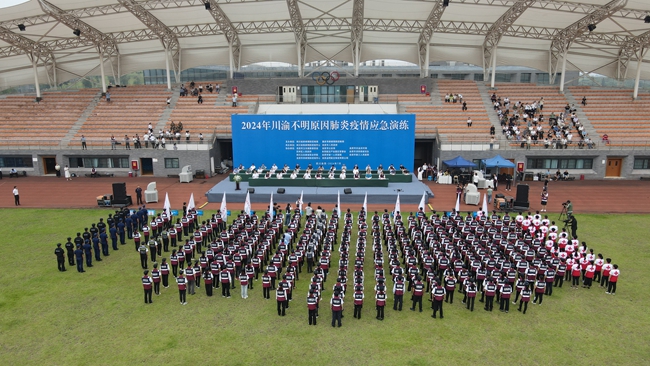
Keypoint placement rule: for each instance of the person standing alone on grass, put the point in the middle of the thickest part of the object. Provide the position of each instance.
(544, 199)
(16, 196)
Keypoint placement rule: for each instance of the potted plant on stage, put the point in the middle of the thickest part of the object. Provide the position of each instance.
(237, 179)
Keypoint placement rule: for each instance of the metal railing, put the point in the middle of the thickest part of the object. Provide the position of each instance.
(460, 143)
(41, 144)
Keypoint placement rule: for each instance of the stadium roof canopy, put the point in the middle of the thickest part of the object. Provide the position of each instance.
(133, 35)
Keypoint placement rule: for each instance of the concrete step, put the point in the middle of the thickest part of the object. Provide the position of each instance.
(82, 119)
(166, 115)
(435, 94)
(582, 116)
(489, 107)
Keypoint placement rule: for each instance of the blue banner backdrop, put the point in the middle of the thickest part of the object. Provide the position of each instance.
(326, 140)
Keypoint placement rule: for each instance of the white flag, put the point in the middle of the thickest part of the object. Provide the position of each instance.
(457, 203)
(190, 204)
(300, 202)
(423, 202)
(271, 207)
(223, 210)
(338, 204)
(397, 206)
(485, 205)
(365, 203)
(167, 207)
(247, 204)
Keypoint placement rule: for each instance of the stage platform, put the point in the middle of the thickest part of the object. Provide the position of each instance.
(409, 193)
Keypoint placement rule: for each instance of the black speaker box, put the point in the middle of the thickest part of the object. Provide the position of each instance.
(119, 191)
(280, 190)
(251, 190)
(347, 191)
(522, 195)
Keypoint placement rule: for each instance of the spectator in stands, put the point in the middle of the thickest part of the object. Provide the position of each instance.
(584, 101)
(464, 106)
(127, 142)
(234, 99)
(605, 139)
(200, 138)
(218, 88)
(169, 102)
(469, 122)
(108, 97)
(187, 135)
(136, 141)
(200, 99)
(83, 143)
(162, 142)
(113, 142)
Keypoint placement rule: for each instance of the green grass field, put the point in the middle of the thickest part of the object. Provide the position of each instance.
(99, 317)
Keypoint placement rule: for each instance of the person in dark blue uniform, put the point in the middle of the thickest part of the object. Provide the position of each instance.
(96, 248)
(121, 232)
(60, 257)
(70, 250)
(103, 240)
(113, 231)
(88, 253)
(79, 255)
(129, 226)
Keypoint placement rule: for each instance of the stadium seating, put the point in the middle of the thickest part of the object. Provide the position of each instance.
(204, 118)
(614, 113)
(449, 118)
(130, 111)
(25, 122)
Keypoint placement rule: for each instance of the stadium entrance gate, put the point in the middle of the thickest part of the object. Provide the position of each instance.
(613, 167)
(49, 163)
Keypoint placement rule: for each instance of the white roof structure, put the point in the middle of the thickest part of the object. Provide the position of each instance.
(132, 35)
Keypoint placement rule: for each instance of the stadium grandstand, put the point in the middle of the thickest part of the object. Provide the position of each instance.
(555, 85)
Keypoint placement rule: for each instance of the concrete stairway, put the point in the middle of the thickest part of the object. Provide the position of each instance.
(582, 116)
(489, 107)
(82, 119)
(164, 117)
(435, 94)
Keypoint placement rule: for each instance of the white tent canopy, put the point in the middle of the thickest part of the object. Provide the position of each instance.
(243, 32)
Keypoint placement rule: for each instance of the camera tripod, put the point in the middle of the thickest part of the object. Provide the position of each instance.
(563, 213)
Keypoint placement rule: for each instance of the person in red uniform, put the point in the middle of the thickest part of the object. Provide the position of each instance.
(418, 291)
(182, 287)
(155, 276)
(337, 309)
(226, 279)
(438, 295)
(540, 288)
(281, 298)
(147, 284)
(607, 268)
(398, 292)
(208, 279)
(525, 298)
(575, 273)
(312, 306)
(490, 289)
(613, 279)
(589, 274)
(358, 303)
(266, 285)
(506, 291)
(471, 295)
(380, 302)
(164, 273)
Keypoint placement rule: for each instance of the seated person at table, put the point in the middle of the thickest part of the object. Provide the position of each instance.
(307, 174)
(319, 175)
(391, 170)
(268, 175)
(294, 175)
(256, 174)
(279, 175)
(342, 176)
(238, 169)
(368, 169)
(381, 175)
(355, 170)
(320, 169)
(380, 168)
(403, 169)
(331, 174)
(356, 174)
(368, 175)
(93, 172)
(343, 167)
(261, 169)
(446, 173)
(251, 169)
(285, 169)
(332, 168)
(273, 168)
(296, 171)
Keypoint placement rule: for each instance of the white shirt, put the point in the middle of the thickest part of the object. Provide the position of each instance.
(15, 191)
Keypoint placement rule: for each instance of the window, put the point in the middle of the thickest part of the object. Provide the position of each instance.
(564, 163)
(641, 163)
(99, 162)
(478, 77)
(525, 78)
(16, 162)
(171, 163)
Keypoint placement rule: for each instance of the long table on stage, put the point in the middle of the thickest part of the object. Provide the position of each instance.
(325, 182)
(397, 178)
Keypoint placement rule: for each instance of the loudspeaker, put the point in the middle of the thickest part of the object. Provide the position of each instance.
(22, 27)
(522, 195)
(251, 190)
(347, 191)
(119, 192)
(76, 32)
(280, 190)
(207, 5)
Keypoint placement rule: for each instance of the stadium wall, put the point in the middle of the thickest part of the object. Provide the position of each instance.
(386, 85)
